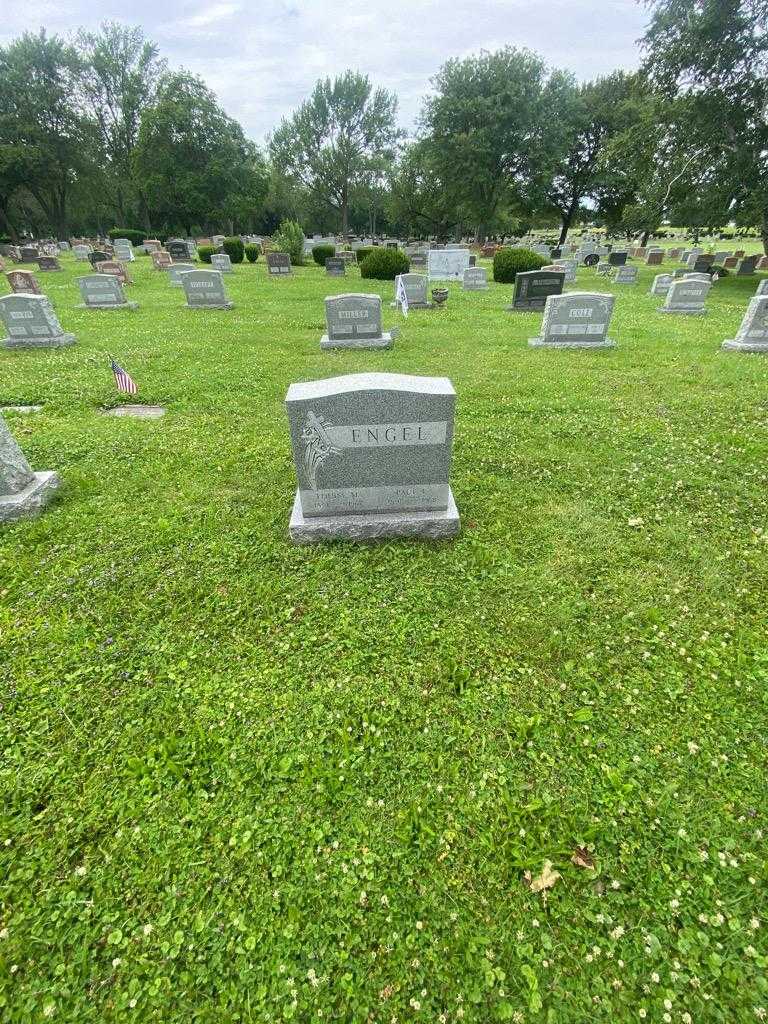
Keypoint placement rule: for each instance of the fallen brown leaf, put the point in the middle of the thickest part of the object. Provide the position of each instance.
(545, 880)
(582, 858)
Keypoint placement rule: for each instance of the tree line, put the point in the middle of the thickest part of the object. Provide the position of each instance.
(97, 132)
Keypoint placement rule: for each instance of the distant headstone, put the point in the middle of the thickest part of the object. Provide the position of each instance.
(617, 258)
(569, 269)
(29, 254)
(175, 272)
(372, 453)
(533, 288)
(447, 264)
(81, 252)
(762, 263)
(661, 284)
(22, 492)
(204, 289)
(103, 291)
(700, 261)
(686, 296)
(335, 266)
(475, 279)
(23, 281)
(418, 261)
(161, 260)
(47, 263)
(63, 246)
(278, 264)
(603, 269)
(625, 275)
(178, 249)
(152, 245)
(746, 266)
(220, 261)
(739, 253)
(124, 251)
(576, 320)
(416, 286)
(654, 258)
(730, 262)
(752, 336)
(116, 269)
(674, 254)
(31, 323)
(762, 288)
(354, 321)
(97, 256)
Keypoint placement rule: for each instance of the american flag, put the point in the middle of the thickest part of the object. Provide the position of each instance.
(401, 296)
(123, 381)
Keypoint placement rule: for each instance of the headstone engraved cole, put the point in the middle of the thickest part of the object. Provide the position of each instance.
(24, 281)
(576, 320)
(103, 291)
(22, 492)
(475, 279)
(278, 264)
(204, 289)
(752, 335)
(31, 323)
(533, 287)
(447, 264)
(686, 296)
(354, 321)
(372, 453)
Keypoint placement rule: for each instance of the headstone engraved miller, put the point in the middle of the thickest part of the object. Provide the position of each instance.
(354, 321)
(175, 272)
(31, 323)
(278, 264)
(416, 291)
(372, 453)
(103, 291)
(24, 281)
(752, 335)
(22, 492)
(220, 261)
(475, 279)
(686, 296)
(204, 289)
(533, 288)
(576, 320)
(336, 266)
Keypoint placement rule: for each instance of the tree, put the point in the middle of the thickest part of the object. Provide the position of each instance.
(41, 128)
(709, 59)
(492, 127)
(337, 139)
(590, 115)
(121, 72)
(420, 198)
(195, 162)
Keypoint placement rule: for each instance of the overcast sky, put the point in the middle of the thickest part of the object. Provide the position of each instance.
(262, 58)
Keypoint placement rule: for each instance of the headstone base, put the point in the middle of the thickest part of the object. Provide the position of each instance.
(437, 525)
(385, 341)
(540, 343)
(107, 305)
(733, 345)
(218, 305)
(27, 503)
(685, 312)
(413, 305)
(58, 342)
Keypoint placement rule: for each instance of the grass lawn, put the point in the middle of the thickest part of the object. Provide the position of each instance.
(245, 781)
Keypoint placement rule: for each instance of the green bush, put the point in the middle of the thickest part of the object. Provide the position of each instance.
(321, 253)
(133, 236)
(234, 248)
(205, 252)
(252, 251)
(384, 264)
(290, 238)
(363, 251)
(508, 263)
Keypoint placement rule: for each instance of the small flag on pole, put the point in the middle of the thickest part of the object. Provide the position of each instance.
(401, 296)
(123, 381)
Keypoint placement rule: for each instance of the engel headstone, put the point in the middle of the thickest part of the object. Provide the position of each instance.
(686, 296)
(576, 320)
(533, 288)
(175, 272)
(336, 266)
(278, 264)
(661, 284)
(31, 323)
(372, 453)
(220, 261)
(475, 279)
(23, 281)
(752, 335)
(447, 264)
(103, 291)
(204, 289)
(22, 492)
(354, 321)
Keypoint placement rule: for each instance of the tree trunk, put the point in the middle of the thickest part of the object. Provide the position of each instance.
(764, 232)
(567, 220)
(644, 238)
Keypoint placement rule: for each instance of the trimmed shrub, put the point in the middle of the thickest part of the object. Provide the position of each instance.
(321, 253)
(290, 238)
(133, 236)
(234, 248)
(205, 252)
(252, 250)
(384, 264)
(363, 251)
(508, 263)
